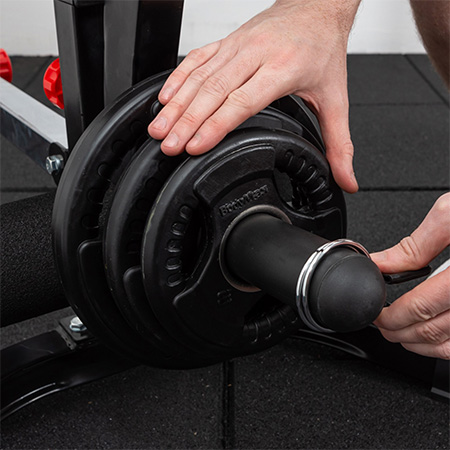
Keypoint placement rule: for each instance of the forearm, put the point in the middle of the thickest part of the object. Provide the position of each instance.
(433, 21)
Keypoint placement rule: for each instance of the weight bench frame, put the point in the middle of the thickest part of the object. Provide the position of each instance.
(106, 47)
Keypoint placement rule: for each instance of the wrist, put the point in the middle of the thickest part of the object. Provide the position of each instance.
(341, 13)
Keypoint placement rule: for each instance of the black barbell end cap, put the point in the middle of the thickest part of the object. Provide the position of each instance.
(347, 291)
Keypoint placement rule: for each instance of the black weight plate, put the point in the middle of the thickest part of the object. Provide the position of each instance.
(81, 205)
(82, 208)
(294, 107)
(134, 195)
(192, 298)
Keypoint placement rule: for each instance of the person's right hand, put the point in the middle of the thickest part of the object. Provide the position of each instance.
(420, 319)
(295, 47)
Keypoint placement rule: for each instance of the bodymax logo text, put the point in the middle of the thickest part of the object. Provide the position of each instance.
(240, 202)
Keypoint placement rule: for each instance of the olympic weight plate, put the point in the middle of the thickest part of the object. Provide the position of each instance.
(133, 197)
(180, 258)
(93, 230)
(81, 209)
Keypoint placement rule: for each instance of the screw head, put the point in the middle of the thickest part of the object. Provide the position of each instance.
(54, 163)
(76, 325)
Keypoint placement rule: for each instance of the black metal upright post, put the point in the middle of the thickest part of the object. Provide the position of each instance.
(107, 46)
(141, 40)
(79, 25)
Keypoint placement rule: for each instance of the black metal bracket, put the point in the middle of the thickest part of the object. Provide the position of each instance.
(53, 362)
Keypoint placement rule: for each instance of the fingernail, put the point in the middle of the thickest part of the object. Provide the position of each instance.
(195, 140)
(171, 140)
(166, 94)
(159, 124)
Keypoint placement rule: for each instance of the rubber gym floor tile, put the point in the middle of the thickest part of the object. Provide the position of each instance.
(387, 79)
(305, 395)
(18, 171)
(379, 220)
(423, 65)
(13, 196)
(142, 408)
(298, 394)
(398, 146)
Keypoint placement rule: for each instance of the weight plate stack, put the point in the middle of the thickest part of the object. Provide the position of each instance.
(137, 234)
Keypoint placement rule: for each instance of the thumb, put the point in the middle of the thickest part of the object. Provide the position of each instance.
(406, 255)
(334, 124)
(429, 239)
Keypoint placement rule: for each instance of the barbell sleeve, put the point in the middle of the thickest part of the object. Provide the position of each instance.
(333, 285)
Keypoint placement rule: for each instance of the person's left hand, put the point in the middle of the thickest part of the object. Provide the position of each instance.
(420, 319)
(293, 47)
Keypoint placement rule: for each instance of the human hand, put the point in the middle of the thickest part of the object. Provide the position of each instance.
(294, 47)
(420, 319)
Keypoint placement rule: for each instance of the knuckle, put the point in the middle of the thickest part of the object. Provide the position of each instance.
(178, 76)
(217, 86)
(189, 119)
(217, 125)
(429, 332)
(201, 74)
(196, 55)
(410, 249)
(345, 150)
(240, 99)
(421, 308)
(176, 106)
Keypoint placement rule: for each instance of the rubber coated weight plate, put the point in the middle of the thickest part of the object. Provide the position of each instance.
(91, 213)
(275, 119)
(133, 198)
(189, 294)
(294, 107)
(81, 207)
(134, 195)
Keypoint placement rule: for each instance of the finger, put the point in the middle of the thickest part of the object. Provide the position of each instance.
(209, 98)
(334, 124)
(425, 301)
(166, 119)
(441, 351)
(433, 331)
(425, 243)
(195, 59)
(241, 104)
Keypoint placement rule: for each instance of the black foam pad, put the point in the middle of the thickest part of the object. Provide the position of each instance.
(29, 281)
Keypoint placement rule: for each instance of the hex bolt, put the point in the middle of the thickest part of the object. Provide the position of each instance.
(54, 163)
(76, 325)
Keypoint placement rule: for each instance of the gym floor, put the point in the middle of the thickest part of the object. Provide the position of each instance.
(299, 394)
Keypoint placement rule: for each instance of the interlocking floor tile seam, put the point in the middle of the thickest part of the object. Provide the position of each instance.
(28, 189)
(445, 100)
(402, 188)
(228, 406)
